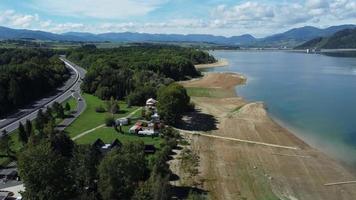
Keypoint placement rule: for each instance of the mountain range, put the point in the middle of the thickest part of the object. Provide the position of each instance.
(290, 38)
(344, 39)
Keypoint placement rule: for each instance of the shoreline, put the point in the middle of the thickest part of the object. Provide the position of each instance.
(281, 173)
(220, 63)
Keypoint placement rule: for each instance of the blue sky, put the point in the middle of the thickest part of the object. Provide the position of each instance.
(218, 17)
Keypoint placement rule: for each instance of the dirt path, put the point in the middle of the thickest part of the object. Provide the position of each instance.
(238, 170)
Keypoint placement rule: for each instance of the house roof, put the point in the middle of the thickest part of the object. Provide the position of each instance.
(8, 172)
(149, 148)
(4, 195)
(98, 143)
(151, 101)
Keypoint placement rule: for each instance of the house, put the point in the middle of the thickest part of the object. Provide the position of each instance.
(135, 129)
(9, 172)
(151, 102)
(147, 132)
(122, 122)
(104, 148)
(155, 118)
(149, 149)
(4, 195)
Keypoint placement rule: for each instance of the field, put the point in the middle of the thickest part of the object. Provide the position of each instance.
(206, 92)
(90, 118)
(109, 134)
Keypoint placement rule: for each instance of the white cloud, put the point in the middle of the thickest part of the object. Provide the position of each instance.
(104, 9)
(255, 17)
(11, 18)
(317, 4)
(271, 16)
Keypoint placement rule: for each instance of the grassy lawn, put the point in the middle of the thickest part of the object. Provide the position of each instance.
(90, 119)
(206, 92)
(16, 147)
(109, 134)
(72, 102)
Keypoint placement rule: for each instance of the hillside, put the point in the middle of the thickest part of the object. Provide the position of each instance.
(290, 38)
(340, 40)
(298, 36)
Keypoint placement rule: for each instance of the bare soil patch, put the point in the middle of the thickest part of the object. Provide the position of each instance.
(219, 63)
(236, 170)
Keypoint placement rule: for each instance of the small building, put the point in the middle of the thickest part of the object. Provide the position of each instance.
(147, 131)
(107, 147)
(149, 149)
(151, 102)
(4, 195)
(122, 122)
(135, 129)
(155, 118)
(9, 174)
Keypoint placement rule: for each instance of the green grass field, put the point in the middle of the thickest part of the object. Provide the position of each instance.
(206, 92)
(90, 119)
(109, 134)
(72, 102)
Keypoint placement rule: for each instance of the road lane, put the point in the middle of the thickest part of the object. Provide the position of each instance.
(30, 112)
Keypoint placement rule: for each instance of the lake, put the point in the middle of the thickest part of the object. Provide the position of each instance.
(312, 95)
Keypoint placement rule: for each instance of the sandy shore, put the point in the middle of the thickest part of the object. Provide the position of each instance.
(220, 63)
(239, 170)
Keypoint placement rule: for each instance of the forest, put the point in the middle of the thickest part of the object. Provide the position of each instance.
(136, 72)
(344, 39)
(27, 74)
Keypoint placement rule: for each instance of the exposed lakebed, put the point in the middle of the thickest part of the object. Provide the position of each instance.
(313, 95)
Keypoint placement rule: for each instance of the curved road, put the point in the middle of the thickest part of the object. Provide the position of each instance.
(70, 88)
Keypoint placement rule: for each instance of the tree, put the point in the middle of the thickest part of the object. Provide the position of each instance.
(121, 171)
(60, 112)
(67, 107)
(28, 128)
(58, 109)
(155, 188)
(45, 173)
(109, 121)
(84, 165)
(40, 120)
(22, 134)
(112, 106)
(6, 145)
(173, 100)
(62, 144)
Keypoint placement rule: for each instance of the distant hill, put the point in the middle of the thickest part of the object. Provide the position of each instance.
(146, 37)
(298, 36)
(343, 39)
(9, 33)
(289, 38)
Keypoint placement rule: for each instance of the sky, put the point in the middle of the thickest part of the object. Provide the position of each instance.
(218, 17)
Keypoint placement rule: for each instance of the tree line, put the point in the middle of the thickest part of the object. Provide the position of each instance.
(136, 72)
(26, 75)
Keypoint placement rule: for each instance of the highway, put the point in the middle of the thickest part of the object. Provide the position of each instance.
(70, 88)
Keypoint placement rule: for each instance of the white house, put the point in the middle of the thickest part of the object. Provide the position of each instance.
(155, 118)
(148, 132)
(122, 121)
(151, 102)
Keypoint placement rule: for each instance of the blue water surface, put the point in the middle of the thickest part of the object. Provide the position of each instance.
(311, 94)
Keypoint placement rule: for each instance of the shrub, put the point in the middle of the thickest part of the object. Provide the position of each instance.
(109, 121)
(100, 109)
